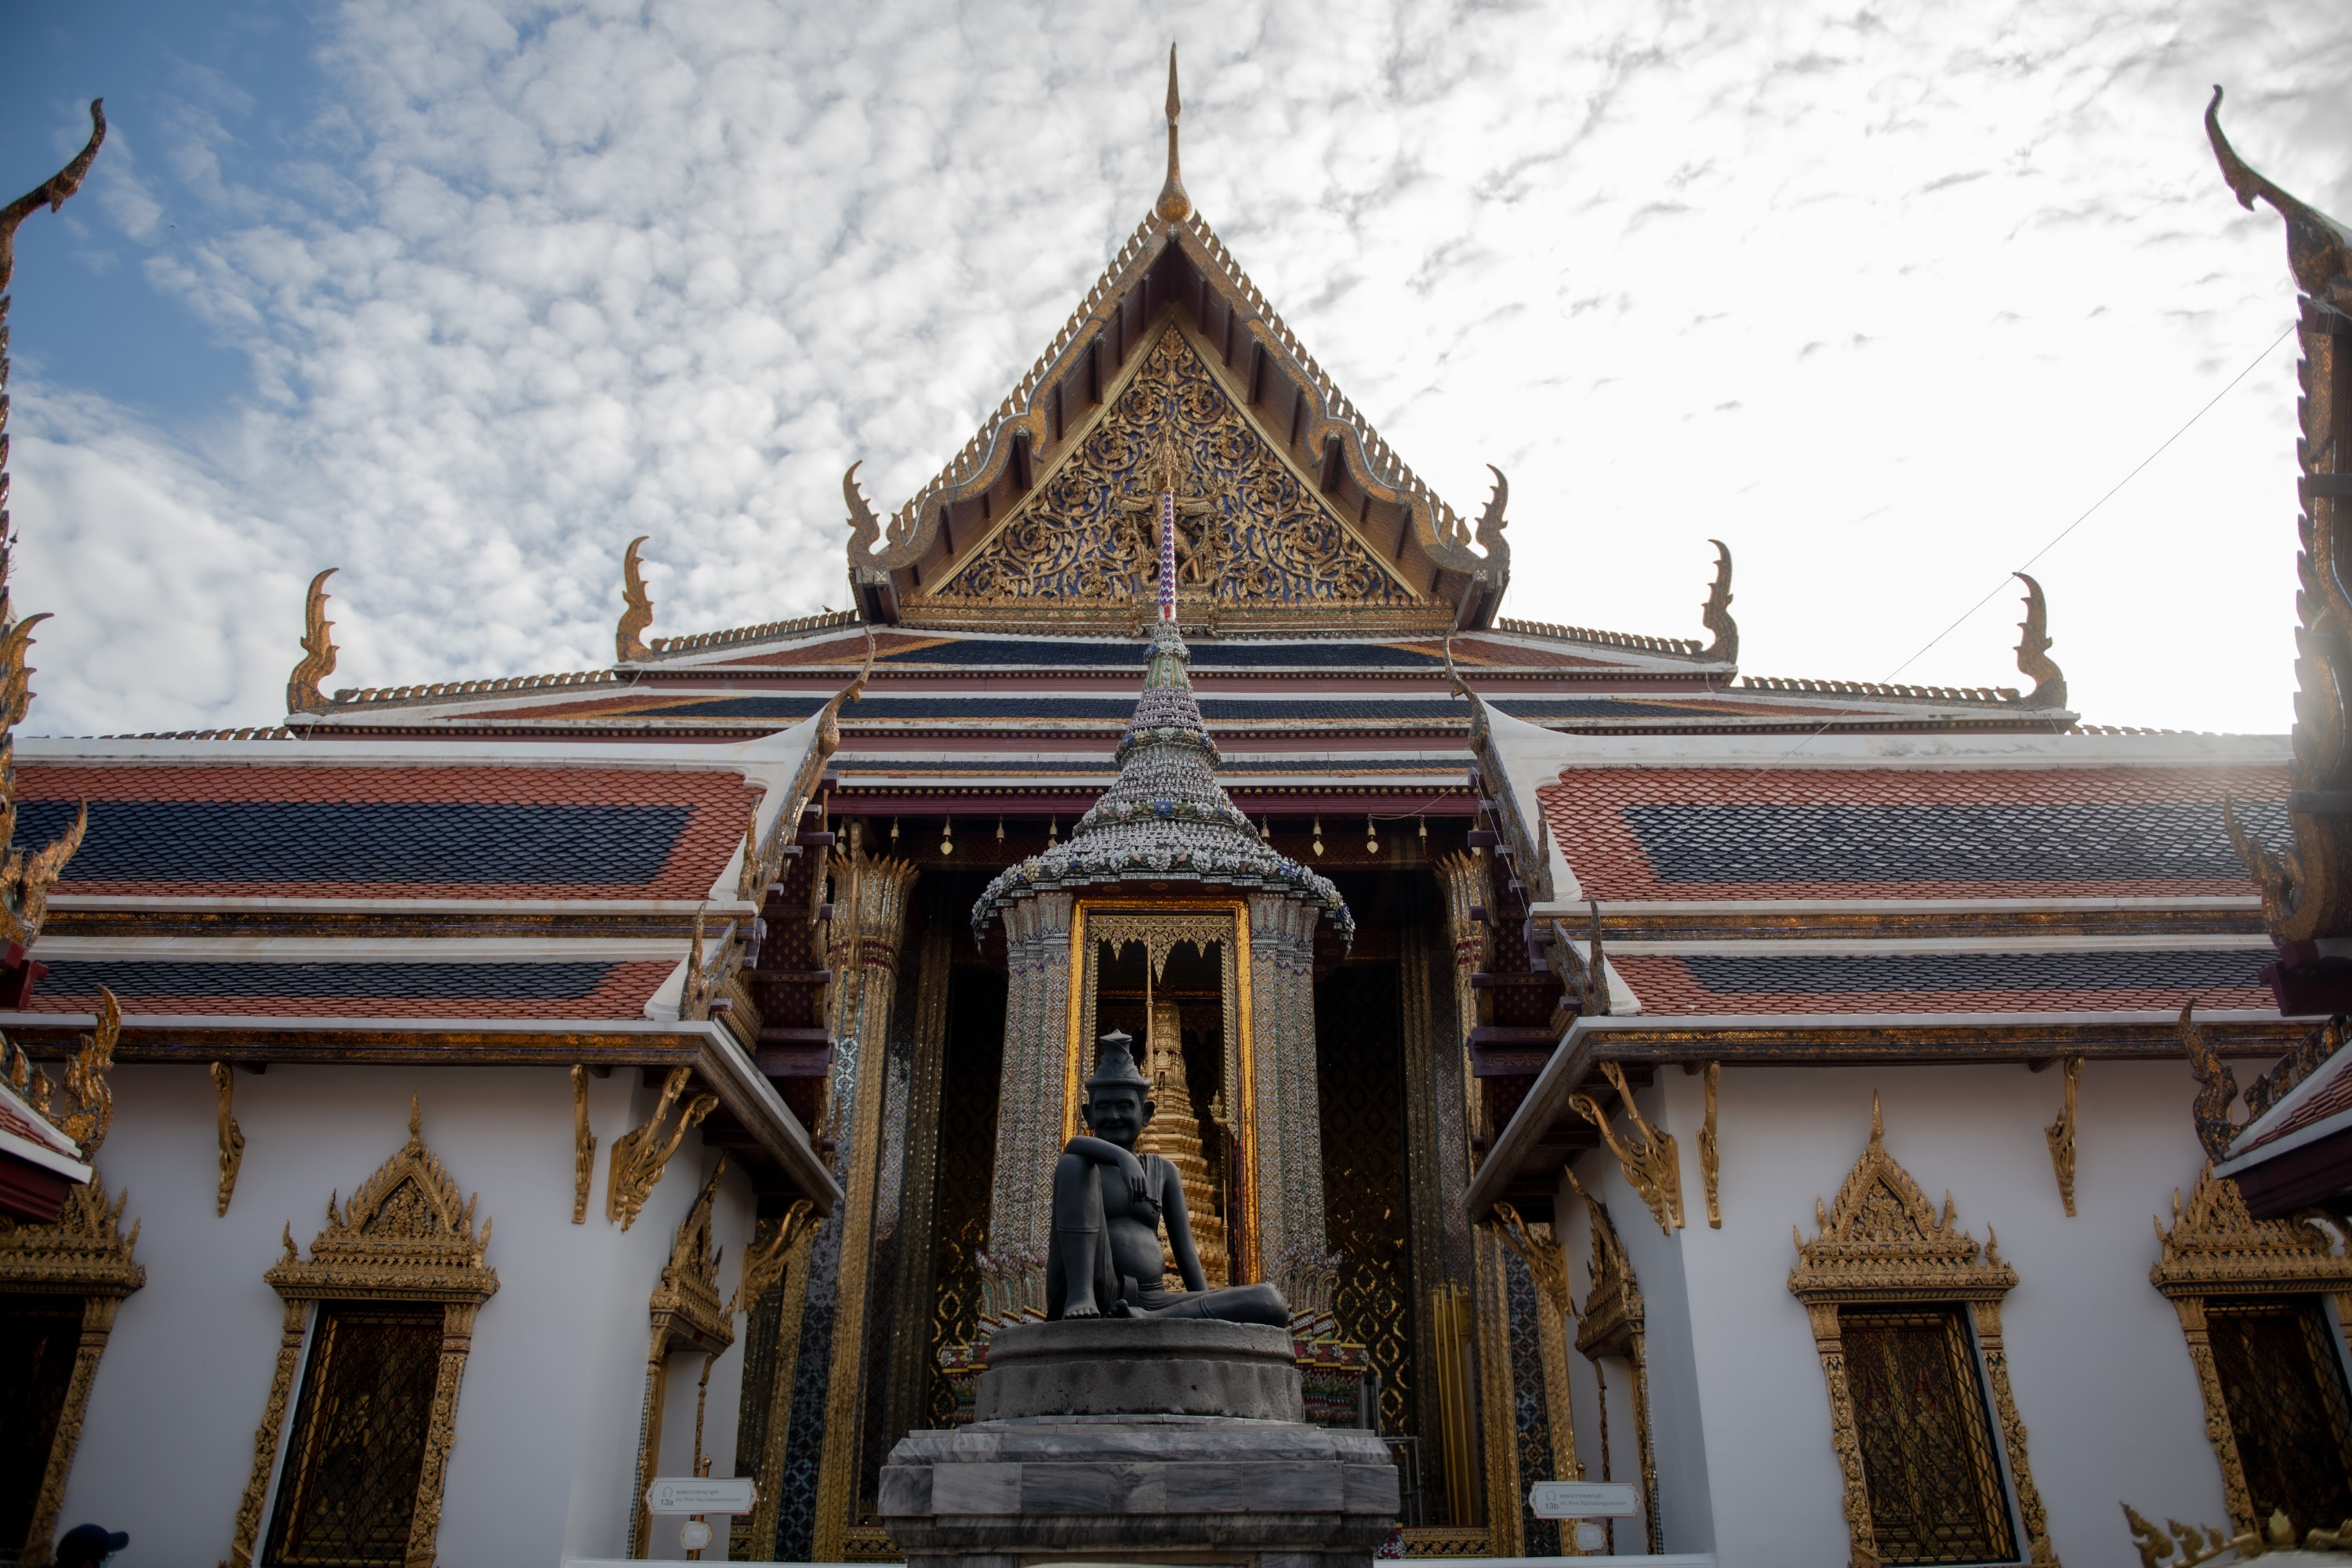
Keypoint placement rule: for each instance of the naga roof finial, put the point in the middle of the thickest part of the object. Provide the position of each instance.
(318, 662)
(2033, 650)
(628, 637)
(1173, 205)
(1716, 613)
(2318, 248)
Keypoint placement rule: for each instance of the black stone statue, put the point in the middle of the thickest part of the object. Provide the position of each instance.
(1109, 1205)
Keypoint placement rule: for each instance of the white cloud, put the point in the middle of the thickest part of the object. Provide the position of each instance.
(1884, 297)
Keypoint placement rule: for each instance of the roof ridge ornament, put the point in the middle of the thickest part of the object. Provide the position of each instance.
(628, 637)
(2318, 248)
(318, 661)
(2033, 650)
(1174, 205)
(1716, 613)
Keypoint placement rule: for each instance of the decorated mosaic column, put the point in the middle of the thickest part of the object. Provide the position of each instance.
(1036, 1053)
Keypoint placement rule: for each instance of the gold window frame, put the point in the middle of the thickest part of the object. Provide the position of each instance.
(1161, 924)
(2217, 1248)
(687, 1315)
(1882, 1244)
(83, 1253)
(380, 1247)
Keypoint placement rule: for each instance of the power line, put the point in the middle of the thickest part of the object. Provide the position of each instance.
(2057, 538)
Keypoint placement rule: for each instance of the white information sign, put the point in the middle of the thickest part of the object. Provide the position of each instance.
(707, 1494)
(1584, 1499)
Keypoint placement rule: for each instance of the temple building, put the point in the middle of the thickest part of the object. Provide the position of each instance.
(1510, 991)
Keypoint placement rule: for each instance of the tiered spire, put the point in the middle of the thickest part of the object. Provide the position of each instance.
(1166, 817)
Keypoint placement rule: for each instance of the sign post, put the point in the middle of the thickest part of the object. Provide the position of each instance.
(698, 1495)
(1582, 1502)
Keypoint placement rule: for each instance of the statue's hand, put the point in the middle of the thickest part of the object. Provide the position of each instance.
(1139, 1182)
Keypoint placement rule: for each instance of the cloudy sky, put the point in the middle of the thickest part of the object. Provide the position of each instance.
(460, 295)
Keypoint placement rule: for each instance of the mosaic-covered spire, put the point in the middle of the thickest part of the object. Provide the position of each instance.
(1166, 817)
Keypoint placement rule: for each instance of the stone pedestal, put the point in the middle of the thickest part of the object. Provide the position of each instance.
(1155, 1441)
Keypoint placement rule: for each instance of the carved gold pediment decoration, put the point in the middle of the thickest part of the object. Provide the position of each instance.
(1255, 533)
(687, 1311)
(405, 1236)
(85, 1253)
(2215, 1246)
(1882, 1240)
(1612, 1315)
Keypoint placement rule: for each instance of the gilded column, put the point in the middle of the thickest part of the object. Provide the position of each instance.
(1269, 1013)
(908, 1379)
(865, 961)
(1037, 1052)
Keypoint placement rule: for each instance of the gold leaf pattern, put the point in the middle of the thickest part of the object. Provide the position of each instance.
(1252, 533)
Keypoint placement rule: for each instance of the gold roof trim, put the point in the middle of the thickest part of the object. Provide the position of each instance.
(875, 546)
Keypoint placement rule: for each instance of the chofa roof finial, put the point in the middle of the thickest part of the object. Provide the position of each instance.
(1173, 205)
(2318, 248)
(2033, 650)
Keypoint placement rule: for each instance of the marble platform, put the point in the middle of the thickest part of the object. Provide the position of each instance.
(1155, 1441)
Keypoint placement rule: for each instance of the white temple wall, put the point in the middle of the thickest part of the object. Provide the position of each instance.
(2097, 1364)
(554, 1384)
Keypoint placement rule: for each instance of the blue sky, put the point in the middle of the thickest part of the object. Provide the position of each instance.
(460, 295)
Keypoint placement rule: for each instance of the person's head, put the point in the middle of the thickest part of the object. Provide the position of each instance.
(1118, 1103)
(87, 1545)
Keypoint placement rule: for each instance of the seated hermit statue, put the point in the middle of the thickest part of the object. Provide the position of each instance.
(1108, 1205)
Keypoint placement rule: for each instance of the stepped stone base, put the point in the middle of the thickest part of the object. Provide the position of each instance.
(1048, 1473)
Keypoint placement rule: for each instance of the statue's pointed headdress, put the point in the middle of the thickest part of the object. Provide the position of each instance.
(1114, 1063)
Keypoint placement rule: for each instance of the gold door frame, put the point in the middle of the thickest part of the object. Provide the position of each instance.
(1236, 966)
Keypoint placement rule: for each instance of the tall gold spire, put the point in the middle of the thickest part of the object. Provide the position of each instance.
(1174, 205)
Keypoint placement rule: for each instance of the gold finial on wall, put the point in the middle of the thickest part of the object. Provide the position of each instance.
(2033, 650)
(1173, 205)
(302, 693)
(628, 637)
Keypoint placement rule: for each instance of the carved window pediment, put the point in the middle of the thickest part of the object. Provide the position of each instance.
(1882, 1240)
(2278, 1425)
(1881, 1245)
(405, 1237)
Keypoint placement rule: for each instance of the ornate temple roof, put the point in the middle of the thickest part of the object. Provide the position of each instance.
(1307, 511)
(1165, 817)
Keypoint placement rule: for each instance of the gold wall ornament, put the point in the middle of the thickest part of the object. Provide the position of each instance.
(2217, 1088)
(1648, 1154)
(764, 1266)
(83, 1253)
(2061, 1134)
(2033, 650)
(404, 1236)
(686, 1316)
(1882, 1242)
(232, 1136)
(317, 660)
(2215, 1247)
(1716, 613)
(641, 1155)
(638, 611)
(584, 1146)
(1614, 1325)
(1710, 1165)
